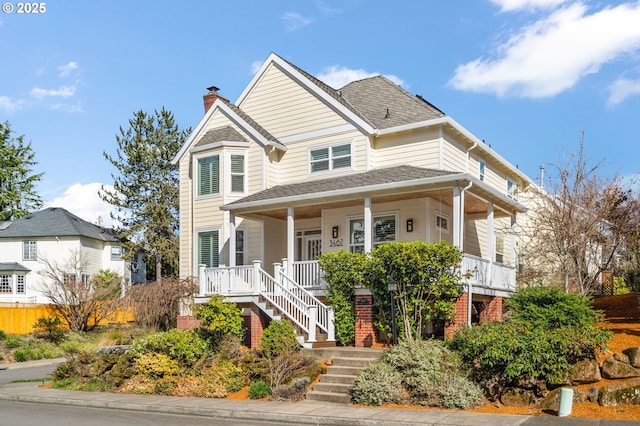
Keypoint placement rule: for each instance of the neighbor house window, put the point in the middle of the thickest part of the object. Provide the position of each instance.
(70, 278)
(238, 175)
(481, 167)
(29, 250)
(116, 253)
(499, 249)
(21, 286)
(384, 231)
(209, 248)
(239, 247)
(330, 158)
(5, 284)
(209, 175)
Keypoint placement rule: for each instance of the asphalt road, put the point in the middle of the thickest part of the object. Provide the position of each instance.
(29, 414)
(11, 374)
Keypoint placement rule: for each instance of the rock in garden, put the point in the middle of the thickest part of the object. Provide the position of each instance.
(614, 369)
(516, 397)
(634, 356)
(623, 393)
(585, 371)
(551, 402)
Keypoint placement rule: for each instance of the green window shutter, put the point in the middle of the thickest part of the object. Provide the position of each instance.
(209, 175)
(208, 249)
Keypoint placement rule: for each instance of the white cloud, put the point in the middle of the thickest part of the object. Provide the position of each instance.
(83, 201)
(255, 66)
(294, 21)
(511, 5)
(327, 10)
(552, 54)
(622, 89)
(63, 91)
(66, 69)
(336, 76)
(7, 104)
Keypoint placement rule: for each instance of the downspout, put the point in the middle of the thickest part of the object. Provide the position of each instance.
(475, 144)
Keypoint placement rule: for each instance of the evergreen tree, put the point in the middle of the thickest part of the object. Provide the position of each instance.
(145, 191)
(18, 196)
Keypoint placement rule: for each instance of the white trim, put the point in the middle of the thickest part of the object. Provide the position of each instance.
(196, 175)
(316, 134)
(218, 145)
(228, 173)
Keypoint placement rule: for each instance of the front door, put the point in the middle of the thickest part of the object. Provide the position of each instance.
(313, 245)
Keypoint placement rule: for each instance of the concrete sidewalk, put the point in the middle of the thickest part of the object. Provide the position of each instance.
(306, 412)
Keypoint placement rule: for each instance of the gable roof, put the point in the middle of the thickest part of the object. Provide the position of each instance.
(226, 133)
(56, 222)
(385, 104)
(13, 267)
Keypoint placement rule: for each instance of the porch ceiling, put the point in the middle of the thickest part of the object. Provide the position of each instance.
(473, 204)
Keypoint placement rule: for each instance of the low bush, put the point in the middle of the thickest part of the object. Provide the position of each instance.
(3, 335)
(52, 328)
(185, 347)
(13, 341)
(424, 372)
(219, 319)
(258, 390)
(156, 365)
(279, 337)
(294, 391)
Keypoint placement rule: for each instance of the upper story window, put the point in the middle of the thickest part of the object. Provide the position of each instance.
(238, 173)
(29, 250)
(481, 167)
(499, 249)
(116, 253)
(330, 158)
(208, 175)
(512, 189)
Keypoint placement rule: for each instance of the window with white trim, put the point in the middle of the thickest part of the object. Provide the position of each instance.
(208, 176)
(29, 250)
(499, 249)
(6, 282)
(442, 222)
(70, 278)
(512, 189)
(238, 174)
(481, 168)
(209, 248)
(384, 231)
(330, 158)
(116, 252)
(239, 247)
(21, 286)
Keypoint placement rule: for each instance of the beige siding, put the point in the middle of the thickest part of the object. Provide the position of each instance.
(454, 156)
(419, 148)
(275, 237)
(186, 233)
(284, 107)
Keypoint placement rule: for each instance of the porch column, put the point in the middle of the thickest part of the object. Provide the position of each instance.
(291, 241)
(368, 224)
(232, 240)
(457, 217)
(491, 243)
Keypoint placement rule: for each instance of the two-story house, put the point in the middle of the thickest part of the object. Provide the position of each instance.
(295, 168)
(60, 239)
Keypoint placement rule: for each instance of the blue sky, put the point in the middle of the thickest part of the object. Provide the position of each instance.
(526, 76)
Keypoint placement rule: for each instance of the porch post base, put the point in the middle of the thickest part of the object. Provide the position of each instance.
(365, 334)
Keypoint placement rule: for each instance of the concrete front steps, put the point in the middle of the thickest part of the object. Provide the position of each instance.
(343, 365)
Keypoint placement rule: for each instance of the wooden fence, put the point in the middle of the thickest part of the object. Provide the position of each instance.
(19, 318)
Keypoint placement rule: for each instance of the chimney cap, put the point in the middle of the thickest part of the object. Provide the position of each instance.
(213, 89)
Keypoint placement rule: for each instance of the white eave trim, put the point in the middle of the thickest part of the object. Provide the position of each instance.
(221, 144)
(467, 134)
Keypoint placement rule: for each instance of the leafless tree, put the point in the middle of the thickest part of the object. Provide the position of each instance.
(81, 300)
(576, 225)
(156, 305)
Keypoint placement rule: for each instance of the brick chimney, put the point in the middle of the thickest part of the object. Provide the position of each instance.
(211, 96)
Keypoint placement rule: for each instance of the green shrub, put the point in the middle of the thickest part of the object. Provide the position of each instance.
(258, 390)
(13, 341)
(294, 391)
(185, 347)
(51, 327)
(3, 335)
(219, 319)
(545, 333)
(156, 365)
(279, 337)
(378, 384)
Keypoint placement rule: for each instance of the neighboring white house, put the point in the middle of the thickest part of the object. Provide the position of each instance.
(295, 168)
(57, 236)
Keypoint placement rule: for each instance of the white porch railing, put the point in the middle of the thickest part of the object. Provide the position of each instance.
(484, 274)
(293, 301)
(308, 274)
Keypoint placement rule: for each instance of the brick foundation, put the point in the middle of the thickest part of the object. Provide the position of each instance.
(254, 323)
(188, 322)
(492, 310)
(461, 316)
(365, 334)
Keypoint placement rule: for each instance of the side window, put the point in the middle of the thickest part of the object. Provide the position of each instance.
(238, 174)
(209, 248)
(499, 249)
(116, 253)
(239, 247)
(21, 287)
(208, 175)
(29, 250)
(356, 235)
(6, 284)
(481, 167)
(442, 222)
